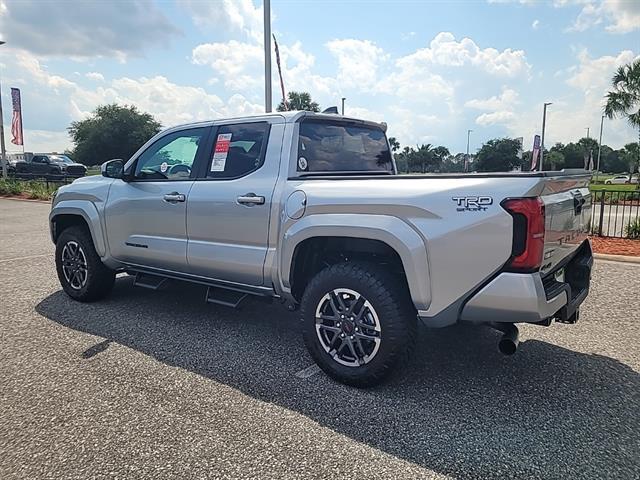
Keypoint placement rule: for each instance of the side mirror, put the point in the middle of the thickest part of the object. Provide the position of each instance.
(113, 168)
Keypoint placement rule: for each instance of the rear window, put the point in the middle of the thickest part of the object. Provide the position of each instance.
(342, 147)
(239, 150)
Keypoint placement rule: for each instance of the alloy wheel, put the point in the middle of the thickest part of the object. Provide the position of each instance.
(348, 327)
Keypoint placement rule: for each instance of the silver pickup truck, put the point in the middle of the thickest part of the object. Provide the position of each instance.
(308, 208)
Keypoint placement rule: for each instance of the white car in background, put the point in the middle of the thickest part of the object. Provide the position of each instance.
(621, 180)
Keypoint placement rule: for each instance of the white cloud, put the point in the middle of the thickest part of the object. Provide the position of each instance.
(358, 61)
(623, 14)
(571, 114)
(168, 102)
(230, 15)
(41, 141)
(444, 50)
(593, 75)
(618, 16)
(32, 66)
(238, 63)
(95, 76)
(494, 118)
(507, 99)
(82, 29)
(500, 108)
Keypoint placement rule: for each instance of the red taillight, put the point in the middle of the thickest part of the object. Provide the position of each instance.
(528, 233)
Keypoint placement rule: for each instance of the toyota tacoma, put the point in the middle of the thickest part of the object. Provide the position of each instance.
(309, 209)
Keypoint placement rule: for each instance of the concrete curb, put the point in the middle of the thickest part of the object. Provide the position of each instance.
(18, 199)
(616, 258)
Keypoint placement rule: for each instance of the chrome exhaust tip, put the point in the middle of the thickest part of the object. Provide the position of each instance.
(508, 344)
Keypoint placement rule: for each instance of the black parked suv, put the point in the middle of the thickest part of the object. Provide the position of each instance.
(50, 165)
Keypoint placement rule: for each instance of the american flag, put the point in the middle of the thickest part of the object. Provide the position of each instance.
(16, 121)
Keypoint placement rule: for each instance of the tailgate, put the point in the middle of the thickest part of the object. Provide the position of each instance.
(567, 203)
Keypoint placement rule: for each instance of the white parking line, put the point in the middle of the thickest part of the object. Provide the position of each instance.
(308, 372)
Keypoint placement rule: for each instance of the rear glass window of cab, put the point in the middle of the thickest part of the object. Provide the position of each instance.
(342, 147)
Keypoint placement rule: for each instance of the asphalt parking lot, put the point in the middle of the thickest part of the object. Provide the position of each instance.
(159, 384)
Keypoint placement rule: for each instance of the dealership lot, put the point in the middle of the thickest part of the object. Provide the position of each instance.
(160, 384)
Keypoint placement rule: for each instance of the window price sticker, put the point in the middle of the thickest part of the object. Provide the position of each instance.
(220, 152)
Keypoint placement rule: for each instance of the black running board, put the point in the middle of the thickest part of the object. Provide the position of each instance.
(147, 280)
(222, 296)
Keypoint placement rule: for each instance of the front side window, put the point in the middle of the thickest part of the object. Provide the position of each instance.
(171, 157)
(342, 147)
(238, 150)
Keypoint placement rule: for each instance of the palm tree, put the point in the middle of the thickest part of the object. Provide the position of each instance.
(395, 144)
(299, 101)
(624, 99)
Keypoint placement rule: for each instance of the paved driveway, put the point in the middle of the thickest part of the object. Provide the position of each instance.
(160, 384)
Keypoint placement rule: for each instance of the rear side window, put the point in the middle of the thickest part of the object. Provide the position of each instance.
(342, 147)
(238, 150)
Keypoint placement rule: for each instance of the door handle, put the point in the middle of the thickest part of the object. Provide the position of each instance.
(251, 199)
(174, 197)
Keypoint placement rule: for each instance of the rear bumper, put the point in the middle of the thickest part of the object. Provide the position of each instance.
(530, 298)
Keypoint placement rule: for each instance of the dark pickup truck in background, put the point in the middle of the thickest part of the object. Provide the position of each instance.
(48, 165)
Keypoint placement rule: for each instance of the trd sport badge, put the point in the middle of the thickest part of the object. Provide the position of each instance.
(472, 203)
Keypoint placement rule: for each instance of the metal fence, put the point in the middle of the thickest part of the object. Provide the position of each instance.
(615, 212)
(50, 180)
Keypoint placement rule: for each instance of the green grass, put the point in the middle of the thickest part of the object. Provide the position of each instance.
(32, 189)
(628, 187)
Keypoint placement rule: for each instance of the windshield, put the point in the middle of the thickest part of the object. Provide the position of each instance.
(61, 158)
(342, 147)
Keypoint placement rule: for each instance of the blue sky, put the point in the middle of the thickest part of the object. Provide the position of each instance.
(431, 70)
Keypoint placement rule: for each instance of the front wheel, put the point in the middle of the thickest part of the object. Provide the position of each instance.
(82, 274)
(359, 323)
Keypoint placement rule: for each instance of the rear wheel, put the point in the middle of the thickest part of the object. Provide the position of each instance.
(82, 274)
(359, 323)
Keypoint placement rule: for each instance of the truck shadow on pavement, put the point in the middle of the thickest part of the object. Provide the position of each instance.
(458, 408)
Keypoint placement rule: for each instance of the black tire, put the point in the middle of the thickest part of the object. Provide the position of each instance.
(98, 280)
(392, 305)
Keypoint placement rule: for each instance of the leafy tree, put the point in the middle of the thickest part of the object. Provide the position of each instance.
(440, 154)
(395, 144)
(611, 160)
(573, 155)
(422, 159)
(498, 155)
(630, 155)
(624, 98)
(589, 147)
(298, 101)
(453, 163)
(554, 160)
(112, 131)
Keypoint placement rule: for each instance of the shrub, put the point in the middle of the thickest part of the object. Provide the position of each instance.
(633, 229)
(32, 189)
(9, 187)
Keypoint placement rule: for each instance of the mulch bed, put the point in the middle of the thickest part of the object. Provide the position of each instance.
(616, 246)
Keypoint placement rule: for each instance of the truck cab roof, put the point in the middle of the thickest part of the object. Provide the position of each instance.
(284, 117)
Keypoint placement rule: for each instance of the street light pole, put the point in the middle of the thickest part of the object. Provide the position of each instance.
(343, 99)
(268, 103)
(3, 150)
(466, 159)
(544, 121)
(599, 148)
